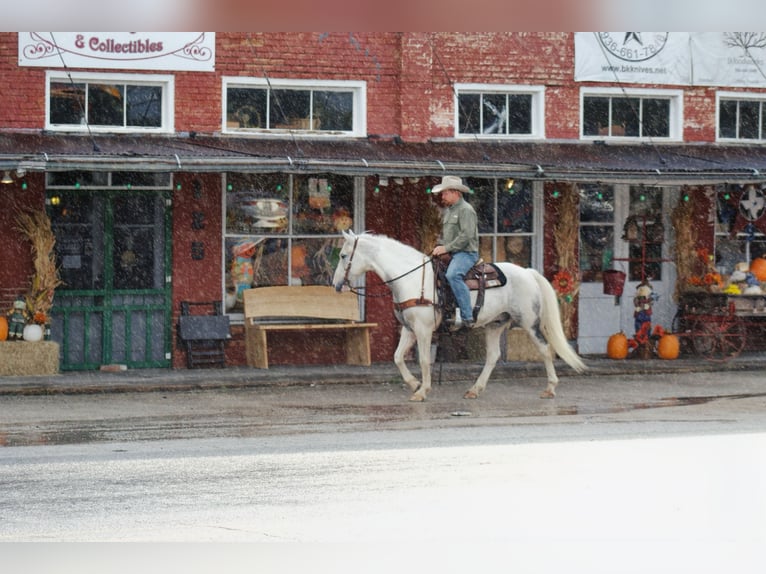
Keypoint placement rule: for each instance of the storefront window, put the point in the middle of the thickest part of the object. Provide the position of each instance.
(596, 231)
(505, 210)
(284, 230)
(739, 230)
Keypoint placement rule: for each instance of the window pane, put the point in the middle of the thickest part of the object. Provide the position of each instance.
(656, 118)
(67, 103)
(596, 243)
(748, 119)
(520, 114)
(289, 109)
(596, 203)
(323, 205)
(727, 119)
(469, 113)
(495, 114)
(625, 117)
(106, 104)
(257, 204)
(144, 106)
(763, 121)
(313, 261)
(253, 261)
(245, 108)
(483, 202)
(514, 208)
(333, 111)
(595, 116)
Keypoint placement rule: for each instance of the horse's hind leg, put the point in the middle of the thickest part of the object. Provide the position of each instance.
(492, 340)
(406, 341)
(547, 354)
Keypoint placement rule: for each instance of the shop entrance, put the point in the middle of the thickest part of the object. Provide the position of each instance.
(626, 228)
(112, 248)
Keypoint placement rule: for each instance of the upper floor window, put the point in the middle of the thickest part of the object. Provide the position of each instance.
(106, 102)
(487, 110)
(256, 105)
(741, 116)
(617, 113)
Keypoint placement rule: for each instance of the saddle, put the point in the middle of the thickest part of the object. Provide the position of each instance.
(479, 278)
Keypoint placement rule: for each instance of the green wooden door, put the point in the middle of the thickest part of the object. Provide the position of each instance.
(113, 250)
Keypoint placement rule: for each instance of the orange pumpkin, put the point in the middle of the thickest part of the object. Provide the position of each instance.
(758, 268)
(3, 328)
(617, 346)
(668, 347)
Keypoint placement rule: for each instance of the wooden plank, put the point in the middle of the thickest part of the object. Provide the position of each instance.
(309, 326)
(310, 301)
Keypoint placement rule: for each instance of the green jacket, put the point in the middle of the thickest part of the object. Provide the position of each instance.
(460, 229)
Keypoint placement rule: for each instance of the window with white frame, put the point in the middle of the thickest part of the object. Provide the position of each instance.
(499, 111)
(109, 102)
(261, 105)
(638, 114)
(741, 116)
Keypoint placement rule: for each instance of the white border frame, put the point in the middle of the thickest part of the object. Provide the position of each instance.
(538, 109)
(739, 96)
(676, 120)
(359, 89)
(167, 82)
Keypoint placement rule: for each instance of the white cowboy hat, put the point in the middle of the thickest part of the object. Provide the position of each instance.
(450, 182)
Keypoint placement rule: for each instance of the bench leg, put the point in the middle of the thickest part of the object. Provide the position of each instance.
(358, 347)
(256, 349)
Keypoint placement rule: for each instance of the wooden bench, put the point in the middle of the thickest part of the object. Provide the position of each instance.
(303, 308)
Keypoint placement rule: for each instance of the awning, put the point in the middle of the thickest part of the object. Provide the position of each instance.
(560, 161)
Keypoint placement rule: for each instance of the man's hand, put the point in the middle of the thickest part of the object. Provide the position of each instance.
(438, 250)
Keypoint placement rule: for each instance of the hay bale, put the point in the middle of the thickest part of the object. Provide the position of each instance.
(24, 358)
(519, 347)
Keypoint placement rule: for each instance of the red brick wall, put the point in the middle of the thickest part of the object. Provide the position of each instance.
(409, 77)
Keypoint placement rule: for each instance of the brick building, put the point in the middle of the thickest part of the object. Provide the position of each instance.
(189, 166)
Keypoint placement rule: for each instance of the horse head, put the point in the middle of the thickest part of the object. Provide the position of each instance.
(349, 264)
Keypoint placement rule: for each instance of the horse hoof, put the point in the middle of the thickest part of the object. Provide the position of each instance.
(547, 395)
(471, 395)
(417, 398)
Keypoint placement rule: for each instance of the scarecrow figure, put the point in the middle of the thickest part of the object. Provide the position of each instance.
(17, 319)
(642, 305)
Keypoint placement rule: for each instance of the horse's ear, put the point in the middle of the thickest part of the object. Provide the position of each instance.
(347, 235)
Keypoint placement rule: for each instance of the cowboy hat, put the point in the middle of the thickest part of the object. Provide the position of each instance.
(450, 182)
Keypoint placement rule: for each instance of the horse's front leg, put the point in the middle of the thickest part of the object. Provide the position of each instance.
(406, 341)
(492, 341)
(424, 354)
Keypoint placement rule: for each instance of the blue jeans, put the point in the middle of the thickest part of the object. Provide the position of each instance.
(461, 262)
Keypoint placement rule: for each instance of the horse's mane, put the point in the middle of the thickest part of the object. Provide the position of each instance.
(383, 242)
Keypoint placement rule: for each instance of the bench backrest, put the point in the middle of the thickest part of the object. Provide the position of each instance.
(315, 302)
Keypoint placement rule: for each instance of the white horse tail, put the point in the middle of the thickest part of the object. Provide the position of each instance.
(551, 324)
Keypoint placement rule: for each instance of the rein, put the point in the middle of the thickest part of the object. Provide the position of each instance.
(399, 306)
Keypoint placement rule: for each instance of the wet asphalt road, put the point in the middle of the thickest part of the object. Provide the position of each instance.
(656, 404)
(628, 473)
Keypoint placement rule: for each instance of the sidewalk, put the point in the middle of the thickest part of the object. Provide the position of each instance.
(149, 380)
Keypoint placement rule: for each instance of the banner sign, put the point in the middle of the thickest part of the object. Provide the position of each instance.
(183, 51)
(672, 58)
